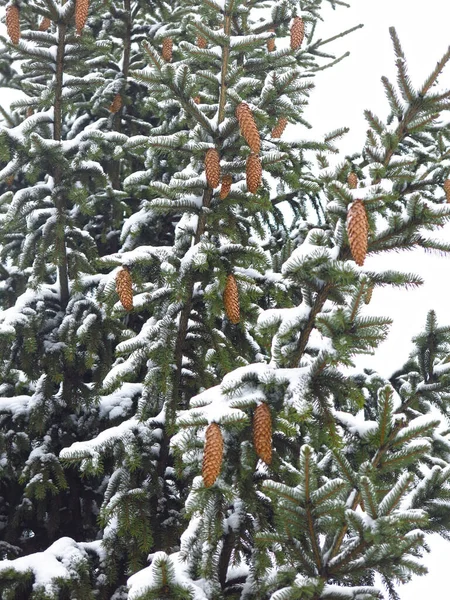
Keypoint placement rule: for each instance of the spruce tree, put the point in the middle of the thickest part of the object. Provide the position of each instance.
(183, 297)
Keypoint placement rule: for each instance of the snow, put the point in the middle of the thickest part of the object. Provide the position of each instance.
(356, 424)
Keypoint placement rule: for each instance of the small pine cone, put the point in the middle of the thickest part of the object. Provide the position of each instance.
(124, 287)
(271, 42)
(254, 173)
(447, 189)
(262, 433)
(357, 231)
(231, 300)
(167, 49)
(81, 15)
(202, 42)
(116, 104)
(13, 23)
(297, 33)
(212, 167)
(248, 127)
(44, 24)
(212, 454)
(30, 112)
(227, 180)
(277, 131)
(197, 99)
(368, 294)
(352, 180)
(9, 180)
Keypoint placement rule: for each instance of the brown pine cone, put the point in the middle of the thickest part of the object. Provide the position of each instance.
(352, 180)
(271, 41)
(197, 99)
(262, 433)
(212, 167)
(30, 112)
(9, 180)
(248, 127)
(231, 300)
(227, 180)
(253, 173)
(447, 189)
(124, 288)
(13, 23)
(279, 128)
(357, 231)
(202, 42)
(368, 294)
(212, 454)
(297, 33)
(44, 24)
(81, 15)
(116, 104)
(167, 49)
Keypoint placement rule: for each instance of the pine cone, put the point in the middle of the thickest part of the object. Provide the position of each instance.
(248, 127)
(13, 23)
(124, 287)
(212, 167)
(167, 48)
(271, 41)
(447, 189)
(212, 454)
(231, 300)
(30, 111)
(368, 294)
(357, 231)
(277, 131)
(254, 173)
(297, 33)
(227, 180)
(202, 42)
(116, 104)
(44, 24)
(9, 180)
(262, 433)
(352, 181)
(197, 99)
(81, 15)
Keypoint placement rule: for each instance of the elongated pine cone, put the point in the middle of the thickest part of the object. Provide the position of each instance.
(167, 49)
(447, 189)
(271, 41)
(248, 127)
(297, 33)
(197, 99)
(116, 104)
(81, 15)
(124, 287)
(212, 167)
(212, 454)
(253, 173)
(202, 42)
(357, 231)
(13, 23)
(352, 181)
(279, 128)
(368, 294)
(44, 24)
(227, 180)
(9, 180)
(231, 300)
(262, 433)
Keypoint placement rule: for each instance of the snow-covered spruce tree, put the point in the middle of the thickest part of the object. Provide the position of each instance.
(170, 179)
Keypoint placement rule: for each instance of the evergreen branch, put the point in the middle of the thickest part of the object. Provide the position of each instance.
(336, 37)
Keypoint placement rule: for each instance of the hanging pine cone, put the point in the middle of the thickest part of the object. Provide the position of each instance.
(13, 23)
(297, 33)
(212, 167)
(271, 41)
(9, 180)
(231, 300)
(116, 104)
(357, 231)
(212, 454)
(262, 433)
(202, 42)
(30, 112)
(81, 15)
(447, 189)
(197, 99)
(368, 294)
(124, 287)
(44, 24)
(279, 128)
(167, 49)
(253, 173)
(227, 180)
(248, 127)
(352, 181)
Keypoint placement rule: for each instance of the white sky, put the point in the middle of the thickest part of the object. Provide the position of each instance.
(341, 95)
